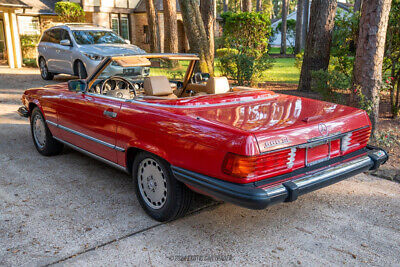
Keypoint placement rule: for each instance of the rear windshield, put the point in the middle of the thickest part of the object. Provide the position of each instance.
(97, 37)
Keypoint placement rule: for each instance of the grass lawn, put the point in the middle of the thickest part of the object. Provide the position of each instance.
(277, 50)
(283, 71)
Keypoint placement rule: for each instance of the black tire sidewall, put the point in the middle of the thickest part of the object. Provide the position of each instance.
(171, 206)
(51, 146)
(49, 75)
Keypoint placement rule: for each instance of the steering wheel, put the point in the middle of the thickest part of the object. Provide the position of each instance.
(117, 80)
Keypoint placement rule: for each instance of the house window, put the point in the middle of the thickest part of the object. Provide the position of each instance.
(115, 23)
(146, 34)
(125, 26)
(28, 25)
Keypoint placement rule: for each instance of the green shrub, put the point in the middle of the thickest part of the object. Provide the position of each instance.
(69, 12)
(29, 40)
(331, 85)
(245, 38)
(298, 60)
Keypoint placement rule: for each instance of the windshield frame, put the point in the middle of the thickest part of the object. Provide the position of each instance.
(193, 58)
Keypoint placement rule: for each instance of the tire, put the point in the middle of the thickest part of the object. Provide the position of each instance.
(81, 70)
(44, 71)
(42, 138)
(161, 196)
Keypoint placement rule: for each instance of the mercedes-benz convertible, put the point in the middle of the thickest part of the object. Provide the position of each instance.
(176, 131)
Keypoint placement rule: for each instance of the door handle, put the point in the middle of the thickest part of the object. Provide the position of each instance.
(109, 113)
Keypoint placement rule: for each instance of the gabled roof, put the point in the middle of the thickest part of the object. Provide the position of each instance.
(141, 6)
(13, 4)
(40, 6)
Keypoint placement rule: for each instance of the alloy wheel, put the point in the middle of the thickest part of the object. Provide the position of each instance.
(152, 183)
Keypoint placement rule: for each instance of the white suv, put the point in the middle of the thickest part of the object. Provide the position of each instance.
(77, 49)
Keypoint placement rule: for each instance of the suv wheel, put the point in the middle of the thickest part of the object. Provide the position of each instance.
(81, 70)
(44, 71)
(162, 196)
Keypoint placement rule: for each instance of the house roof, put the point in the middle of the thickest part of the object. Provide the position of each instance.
(141, 6)
(13, 4)
(43, 7)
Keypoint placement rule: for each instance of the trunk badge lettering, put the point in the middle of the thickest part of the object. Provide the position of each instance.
(276, 142)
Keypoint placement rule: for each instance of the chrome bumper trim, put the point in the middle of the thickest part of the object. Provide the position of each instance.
(319, 177)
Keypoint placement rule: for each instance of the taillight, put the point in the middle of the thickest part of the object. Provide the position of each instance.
(270, 163)
(355, 140)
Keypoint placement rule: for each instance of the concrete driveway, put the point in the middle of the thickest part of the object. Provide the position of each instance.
(72, 210)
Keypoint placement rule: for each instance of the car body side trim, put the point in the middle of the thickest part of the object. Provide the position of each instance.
(120, 149)
(90, 154)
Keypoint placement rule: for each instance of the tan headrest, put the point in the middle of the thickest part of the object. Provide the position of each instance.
(157, 86)
(217, 85)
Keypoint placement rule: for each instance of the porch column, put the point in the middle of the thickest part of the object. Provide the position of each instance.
(16, 41)
(9, 42)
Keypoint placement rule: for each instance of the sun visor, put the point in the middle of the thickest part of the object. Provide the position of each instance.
(133, 62)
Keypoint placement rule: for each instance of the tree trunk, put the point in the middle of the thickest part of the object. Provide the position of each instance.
(259, 7)
(319, 39)
(357, 5)
(208, 9)
(370, 51)
(225, 5)
(247, 6)
(152, 20)
(170, 27)
(306, 15)
(299, 26)
(196, 33)
(284, 26)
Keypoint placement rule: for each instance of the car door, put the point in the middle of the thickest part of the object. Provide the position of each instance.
(89, 122)
(51, 47)
(64, 53)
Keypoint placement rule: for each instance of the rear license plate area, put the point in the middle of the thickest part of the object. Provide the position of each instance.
(317, 154)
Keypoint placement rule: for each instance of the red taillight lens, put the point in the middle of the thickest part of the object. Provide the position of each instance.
(355, 140)
(247, 167)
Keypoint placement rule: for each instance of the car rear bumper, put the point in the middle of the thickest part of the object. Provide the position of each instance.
(261, 194)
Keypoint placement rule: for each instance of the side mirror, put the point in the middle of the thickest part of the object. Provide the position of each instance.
(77, 85)
(65, 42)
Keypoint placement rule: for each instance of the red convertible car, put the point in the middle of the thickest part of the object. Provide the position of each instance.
(176, 131)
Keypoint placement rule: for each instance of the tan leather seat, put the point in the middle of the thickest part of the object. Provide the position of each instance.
(217, 85)
(214, 85)
(158, 87)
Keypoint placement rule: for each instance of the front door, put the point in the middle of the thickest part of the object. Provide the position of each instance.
(3, 48)
(89, 121)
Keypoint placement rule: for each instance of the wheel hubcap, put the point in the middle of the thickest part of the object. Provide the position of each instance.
(39, 131)
(152, 183)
